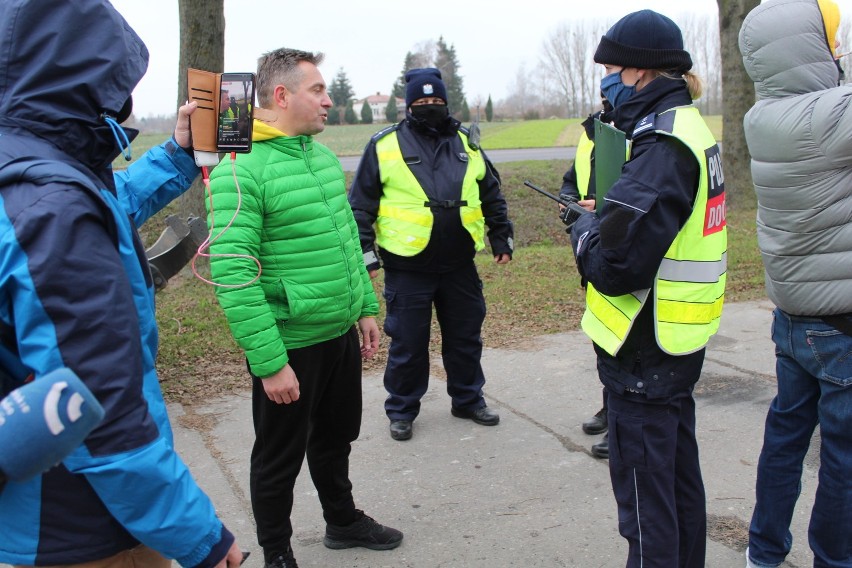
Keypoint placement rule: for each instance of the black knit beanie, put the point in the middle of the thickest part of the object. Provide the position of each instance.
(644, 40)
(425, 82)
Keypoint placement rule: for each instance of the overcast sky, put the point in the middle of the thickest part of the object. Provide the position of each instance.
(369, 40)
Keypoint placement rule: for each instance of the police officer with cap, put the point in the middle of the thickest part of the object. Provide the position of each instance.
(423, 196)
(655, 263)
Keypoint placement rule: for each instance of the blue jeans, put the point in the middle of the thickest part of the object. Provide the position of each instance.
(814, 372)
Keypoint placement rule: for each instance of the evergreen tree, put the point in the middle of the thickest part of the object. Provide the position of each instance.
(398, 89)
(447, 62)
(350, 117)
(340, 90)
(489, 110)
(391, 110)
(366, 113)
(465, 111)
(333, 116)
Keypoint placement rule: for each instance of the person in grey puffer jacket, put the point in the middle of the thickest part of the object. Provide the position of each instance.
(799, 134)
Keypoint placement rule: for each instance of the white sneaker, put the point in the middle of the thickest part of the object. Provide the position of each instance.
(750, 564)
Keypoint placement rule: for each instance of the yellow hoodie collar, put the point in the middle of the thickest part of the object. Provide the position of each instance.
(262, 131)
(831, 18)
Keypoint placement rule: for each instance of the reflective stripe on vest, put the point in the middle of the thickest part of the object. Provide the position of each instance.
(404, 222)
(583, 164)
(690, 284)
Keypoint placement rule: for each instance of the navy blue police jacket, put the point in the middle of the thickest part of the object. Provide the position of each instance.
(621, 251)
(436, 158)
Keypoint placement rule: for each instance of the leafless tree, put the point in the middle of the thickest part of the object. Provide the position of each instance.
(424, 53)
(544, 93)
(701, 40)
(559, 60)
(521, 97)
(567, 57)
(573, 77)
(478, 108)
(737, 98)
(202, 46)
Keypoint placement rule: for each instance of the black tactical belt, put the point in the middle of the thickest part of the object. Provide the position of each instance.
(445, 204)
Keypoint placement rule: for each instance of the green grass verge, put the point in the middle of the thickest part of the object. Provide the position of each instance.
(350, 140)
(529, 134)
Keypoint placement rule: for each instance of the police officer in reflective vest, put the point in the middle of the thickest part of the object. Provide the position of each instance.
(423, 196)
(655, 262)
(579, 183)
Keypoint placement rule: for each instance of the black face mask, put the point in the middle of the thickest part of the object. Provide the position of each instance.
(431, 115)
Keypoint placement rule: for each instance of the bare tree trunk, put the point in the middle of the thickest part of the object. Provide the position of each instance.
(737, 98)
(202, 46)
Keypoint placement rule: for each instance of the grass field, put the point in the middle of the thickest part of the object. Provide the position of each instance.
(537, 293)
(349, 140)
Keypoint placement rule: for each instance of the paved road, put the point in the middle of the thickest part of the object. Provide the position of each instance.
(350, 163)
(526, 493)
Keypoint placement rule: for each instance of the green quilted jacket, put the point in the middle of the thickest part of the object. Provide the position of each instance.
(291, 214)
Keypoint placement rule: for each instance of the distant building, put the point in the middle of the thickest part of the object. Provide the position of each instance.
(378, 103)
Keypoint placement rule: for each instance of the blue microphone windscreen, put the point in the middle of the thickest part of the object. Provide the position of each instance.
(44, 421)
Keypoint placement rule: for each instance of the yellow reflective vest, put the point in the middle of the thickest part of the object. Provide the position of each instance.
(404, 221)
(689, 288)
(583, 164)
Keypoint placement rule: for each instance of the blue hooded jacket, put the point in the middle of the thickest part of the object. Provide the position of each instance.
(75, 291)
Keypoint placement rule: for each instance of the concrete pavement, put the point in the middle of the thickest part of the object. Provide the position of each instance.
(526, 492)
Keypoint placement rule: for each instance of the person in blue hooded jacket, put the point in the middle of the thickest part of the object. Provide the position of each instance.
(76, 292)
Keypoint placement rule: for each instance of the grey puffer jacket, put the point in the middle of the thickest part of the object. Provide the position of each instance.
(799, 134)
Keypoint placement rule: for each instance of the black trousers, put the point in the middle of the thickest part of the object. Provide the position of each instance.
(322, 424)
(656, 479)
(460, 309)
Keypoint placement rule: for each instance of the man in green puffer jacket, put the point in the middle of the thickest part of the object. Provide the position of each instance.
(290, 276)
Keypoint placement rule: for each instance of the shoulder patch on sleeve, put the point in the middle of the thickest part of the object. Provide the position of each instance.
(384, 132)
(647, 124)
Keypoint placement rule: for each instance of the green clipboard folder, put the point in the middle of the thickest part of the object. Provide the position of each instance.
(611, 150)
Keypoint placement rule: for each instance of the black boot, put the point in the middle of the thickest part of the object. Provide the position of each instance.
(597, 424)
(601, 449)
(401, 429)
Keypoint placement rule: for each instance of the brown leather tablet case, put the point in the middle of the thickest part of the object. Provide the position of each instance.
(203, 87)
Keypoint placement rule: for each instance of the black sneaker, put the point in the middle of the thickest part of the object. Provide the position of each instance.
(284, 560)
(597, 424)
(364, 532)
